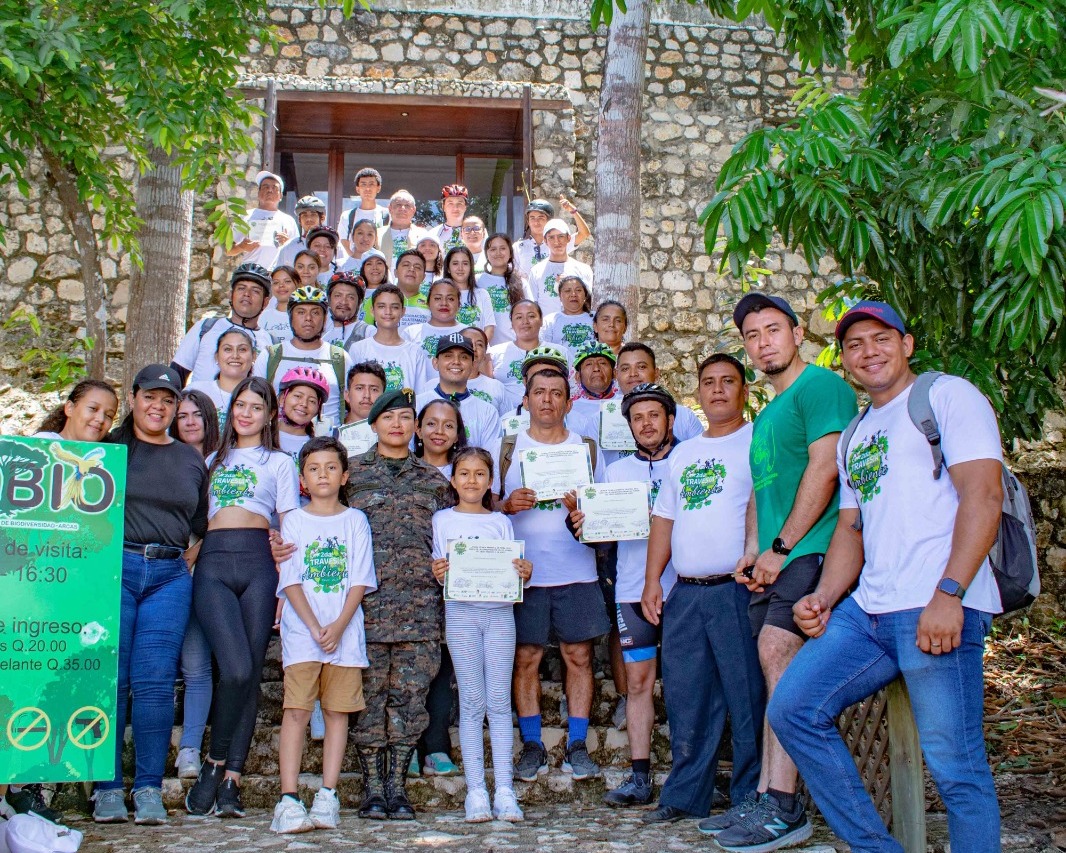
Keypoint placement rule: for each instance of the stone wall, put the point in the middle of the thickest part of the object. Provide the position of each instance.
(707, 85)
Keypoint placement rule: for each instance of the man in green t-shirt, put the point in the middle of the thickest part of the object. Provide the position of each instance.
(794, 476)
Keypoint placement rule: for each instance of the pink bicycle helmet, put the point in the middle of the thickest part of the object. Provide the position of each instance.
(306, 376)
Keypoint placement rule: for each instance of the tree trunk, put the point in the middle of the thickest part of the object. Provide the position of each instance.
(617, 227)
(81, 222)
(159, 291)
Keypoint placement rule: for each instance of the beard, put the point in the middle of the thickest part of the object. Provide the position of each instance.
(775, 369)
(305, 340)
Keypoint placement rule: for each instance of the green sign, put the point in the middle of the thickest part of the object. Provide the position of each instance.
(61, 520)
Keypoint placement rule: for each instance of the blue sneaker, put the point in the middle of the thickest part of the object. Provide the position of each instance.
(439, 764)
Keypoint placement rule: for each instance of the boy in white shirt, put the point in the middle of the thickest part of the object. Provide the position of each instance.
(323, 645)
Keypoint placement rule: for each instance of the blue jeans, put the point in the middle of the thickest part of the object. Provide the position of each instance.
(196, 673)
(858, 655)
(156, 597)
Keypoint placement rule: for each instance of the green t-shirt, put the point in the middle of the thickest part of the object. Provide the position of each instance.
(818, 403)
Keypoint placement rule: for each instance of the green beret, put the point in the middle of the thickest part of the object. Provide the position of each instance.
(400, 398)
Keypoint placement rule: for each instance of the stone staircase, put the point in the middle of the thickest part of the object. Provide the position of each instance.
(609, 746)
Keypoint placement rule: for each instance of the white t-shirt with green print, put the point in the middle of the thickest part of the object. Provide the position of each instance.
(705, 494)
(570, 330)
(544, 282)
(333, 554)
(406, 365)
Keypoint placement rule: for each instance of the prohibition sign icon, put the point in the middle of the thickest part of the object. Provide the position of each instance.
(25, 724)
(88, 727)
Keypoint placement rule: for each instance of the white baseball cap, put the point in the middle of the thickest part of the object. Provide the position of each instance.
(557, 225)
(262, 176)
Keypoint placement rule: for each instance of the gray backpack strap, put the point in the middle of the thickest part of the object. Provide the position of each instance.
(921, 412)
(845, 441)
(207, 325)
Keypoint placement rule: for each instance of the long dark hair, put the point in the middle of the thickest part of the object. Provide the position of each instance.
(460, 428)
(57, 419)
(363, 276)
(471, 279)
(208, 413)
(244, 333)
(438, 262)
(511, 276)
(586, 306)
(483, 456)
(268, 437)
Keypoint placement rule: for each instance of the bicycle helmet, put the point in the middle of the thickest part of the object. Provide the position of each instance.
(310, 202)
(252, 272)
(542, 206)
(544, 355)
(307, 295)
(308, 376)
(454, 191)
(323, 231)
(346, 278)
(648, 391)
(586, 350)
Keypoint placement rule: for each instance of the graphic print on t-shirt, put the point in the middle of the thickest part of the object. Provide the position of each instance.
(575, 334)
(232, 486)
(326, 564)
(501, 301)
(393, 376)
(763, 457)
(483, 395)
(867, 464)
(399, 246)
(515, 370)
(700, 482)
(468, 315)
(549, 285)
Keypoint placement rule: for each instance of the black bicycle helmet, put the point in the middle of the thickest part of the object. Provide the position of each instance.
(648, 391)
(252, 272)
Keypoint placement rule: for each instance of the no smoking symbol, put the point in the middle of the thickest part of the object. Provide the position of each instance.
(28, 728)
(88, 727)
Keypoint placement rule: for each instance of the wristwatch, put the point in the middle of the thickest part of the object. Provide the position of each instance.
(949, 586)
(779, 547)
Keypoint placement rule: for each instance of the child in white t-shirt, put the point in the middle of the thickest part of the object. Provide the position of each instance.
(572, 326)
(323, 645)
(481, 638)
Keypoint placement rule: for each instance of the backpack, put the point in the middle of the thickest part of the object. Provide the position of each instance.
(336, 359)
(207, 325)
(1013, 555)
(507, 446)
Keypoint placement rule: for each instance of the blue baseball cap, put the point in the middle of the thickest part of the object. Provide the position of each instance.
(868, 309)
(756, 302)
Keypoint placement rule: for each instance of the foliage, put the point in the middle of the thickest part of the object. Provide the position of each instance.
(82, 80)
(939, 184)
(61, 368)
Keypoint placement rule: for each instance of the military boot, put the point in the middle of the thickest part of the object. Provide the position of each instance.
(399, 806)
(372, 765)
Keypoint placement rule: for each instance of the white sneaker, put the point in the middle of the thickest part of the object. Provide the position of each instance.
(188, 762)
(318, 722)
(290, 817)
(478, 809)
(325, 810)
(506, 806)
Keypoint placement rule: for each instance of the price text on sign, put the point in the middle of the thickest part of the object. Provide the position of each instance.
(61, 524)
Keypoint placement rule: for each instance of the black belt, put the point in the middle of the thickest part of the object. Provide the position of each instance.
(712, 580)
(153, 551)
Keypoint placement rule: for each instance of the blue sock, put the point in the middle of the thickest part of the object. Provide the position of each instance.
(529, 728)
(579, 728)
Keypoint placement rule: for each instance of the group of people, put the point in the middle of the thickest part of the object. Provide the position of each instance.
(316, 475)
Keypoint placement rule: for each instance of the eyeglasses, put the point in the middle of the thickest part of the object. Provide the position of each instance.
(472, 229)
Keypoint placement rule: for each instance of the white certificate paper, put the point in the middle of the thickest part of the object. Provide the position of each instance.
(514, 424)
(483, 570)
(262, 231)
(358, 438)
(553, 471)
(614, 512)
(615, 433)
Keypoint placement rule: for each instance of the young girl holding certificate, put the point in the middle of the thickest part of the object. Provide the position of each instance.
(482, 637)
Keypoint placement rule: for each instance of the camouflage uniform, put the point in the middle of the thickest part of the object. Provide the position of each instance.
(403, 617)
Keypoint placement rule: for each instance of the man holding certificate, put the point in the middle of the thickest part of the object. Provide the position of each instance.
(563, 598)
(618, 510)
(704, 522)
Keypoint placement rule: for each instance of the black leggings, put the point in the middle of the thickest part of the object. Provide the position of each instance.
(234, 595)
(439, 703)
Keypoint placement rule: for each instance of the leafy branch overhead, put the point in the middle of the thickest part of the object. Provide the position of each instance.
(939, 186)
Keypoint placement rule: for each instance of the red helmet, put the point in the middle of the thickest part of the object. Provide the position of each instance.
(454, 191)
(306, 376)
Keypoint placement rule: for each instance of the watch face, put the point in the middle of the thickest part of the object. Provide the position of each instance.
(951, 587)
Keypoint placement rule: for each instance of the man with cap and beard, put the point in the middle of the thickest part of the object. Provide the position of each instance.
(403, 622)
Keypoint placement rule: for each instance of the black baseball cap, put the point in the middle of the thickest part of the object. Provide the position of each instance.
(756, 302)
(157, 376)
(456, 340)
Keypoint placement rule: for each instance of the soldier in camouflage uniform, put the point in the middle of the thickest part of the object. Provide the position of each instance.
(399, 494)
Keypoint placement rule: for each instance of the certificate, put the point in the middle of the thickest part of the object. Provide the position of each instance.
(615, 433)
(614, 511)
(514, 424)
(553, 471)
(358, 438)
(262, 231)
(483, 570)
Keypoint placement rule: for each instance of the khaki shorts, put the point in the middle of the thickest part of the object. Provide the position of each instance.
(338, 688)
